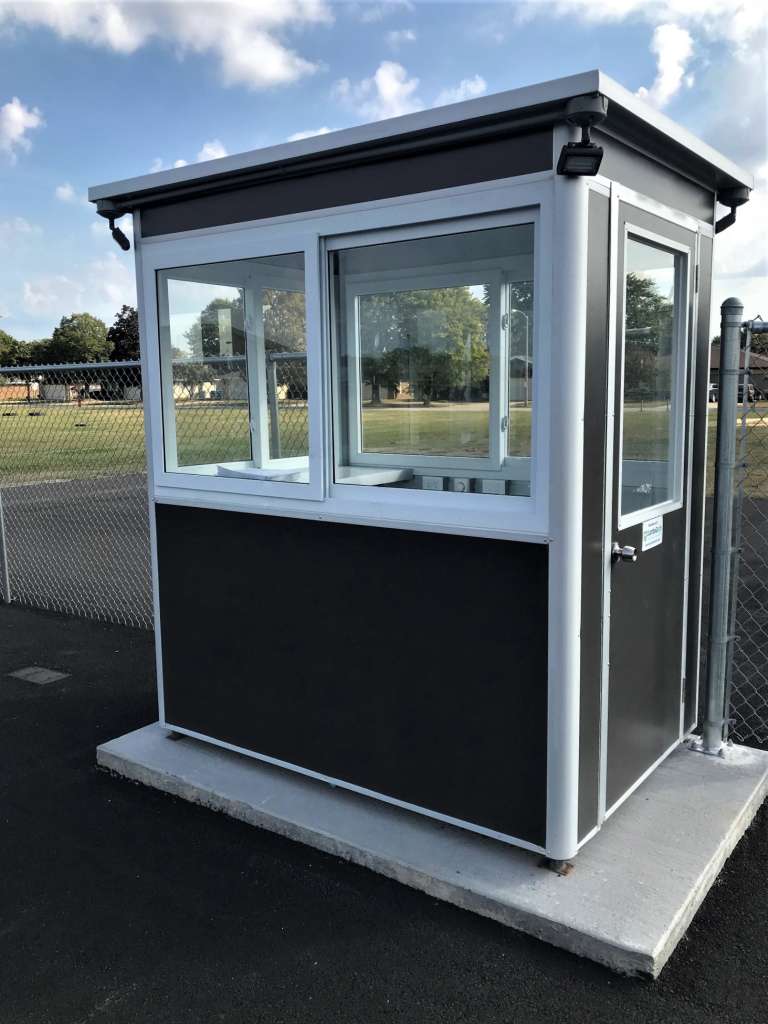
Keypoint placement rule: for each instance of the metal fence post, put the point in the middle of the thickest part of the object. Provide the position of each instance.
(720, 638)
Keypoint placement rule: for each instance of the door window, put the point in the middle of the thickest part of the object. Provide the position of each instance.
(653, 374)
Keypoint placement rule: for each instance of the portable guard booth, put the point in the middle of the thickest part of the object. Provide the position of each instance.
(417, 394)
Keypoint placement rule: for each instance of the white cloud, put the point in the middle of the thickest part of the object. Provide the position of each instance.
(242, 37)
(389, 92)
(15, 121)
(673, 47)
(101, 287)
(15, 230)
(65, 193)
(297, 136)
(211, 150)
(735, 21)
(467, 89)
(741, 256)
(727, 108)
(397, 37)
(370, 12)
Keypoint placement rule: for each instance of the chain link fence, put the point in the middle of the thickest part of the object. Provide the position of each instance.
(73, 496)
(748, 669)
(74, 532)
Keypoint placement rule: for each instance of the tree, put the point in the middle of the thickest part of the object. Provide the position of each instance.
(204, 336)
(123, 335)
(434, 338)
(190, 375)
(10, 349)
(285, 320)
(34, 353)
(648, 338)
(79, 338)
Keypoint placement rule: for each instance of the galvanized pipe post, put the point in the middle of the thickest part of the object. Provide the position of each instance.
(720, 638)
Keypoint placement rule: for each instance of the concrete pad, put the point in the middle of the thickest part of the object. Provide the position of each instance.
(635, 889)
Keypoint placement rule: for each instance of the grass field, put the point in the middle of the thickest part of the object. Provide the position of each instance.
(100, 439)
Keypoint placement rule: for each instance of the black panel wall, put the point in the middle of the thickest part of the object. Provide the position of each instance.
(388, 176)
(593, 510)
(412, 664)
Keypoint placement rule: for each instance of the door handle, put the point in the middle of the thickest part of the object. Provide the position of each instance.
(623, 554)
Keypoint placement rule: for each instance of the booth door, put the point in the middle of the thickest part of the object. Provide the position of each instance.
(649, 518)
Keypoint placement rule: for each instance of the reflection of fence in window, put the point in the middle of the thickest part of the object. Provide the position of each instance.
(287, 402)
(213, 415)
(211, 401)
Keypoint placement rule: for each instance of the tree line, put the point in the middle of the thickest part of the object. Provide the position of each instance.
(79, 338)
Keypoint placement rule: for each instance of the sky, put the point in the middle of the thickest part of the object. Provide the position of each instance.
(93, 92)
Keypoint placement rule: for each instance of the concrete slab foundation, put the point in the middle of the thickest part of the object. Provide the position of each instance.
(636, 886)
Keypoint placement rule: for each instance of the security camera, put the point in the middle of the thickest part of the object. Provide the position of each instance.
(106, 208)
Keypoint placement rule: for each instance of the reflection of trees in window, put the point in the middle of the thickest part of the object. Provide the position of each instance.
(521, 328)
(218, 331)
(285, 320)
(220, 328)
(648, 333)
(433, 339)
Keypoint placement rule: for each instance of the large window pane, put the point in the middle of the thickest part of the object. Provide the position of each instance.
(233, 348)
(434, 357)
(651, 427)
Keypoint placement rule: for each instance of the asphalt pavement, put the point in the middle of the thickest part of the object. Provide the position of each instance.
(121, 905)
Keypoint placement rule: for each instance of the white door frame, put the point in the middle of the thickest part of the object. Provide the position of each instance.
(618, 195)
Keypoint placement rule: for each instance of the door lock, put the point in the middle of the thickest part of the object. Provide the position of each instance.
(623, 554)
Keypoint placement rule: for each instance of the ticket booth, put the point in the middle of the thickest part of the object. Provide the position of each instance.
(426, 415)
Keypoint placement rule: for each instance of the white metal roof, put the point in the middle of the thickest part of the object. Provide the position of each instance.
(557, 90)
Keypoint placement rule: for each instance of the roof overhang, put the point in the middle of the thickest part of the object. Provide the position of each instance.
(630, 120)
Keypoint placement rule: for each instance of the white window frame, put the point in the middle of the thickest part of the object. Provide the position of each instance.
(678, 416)
(524, 199)
(206, 252)
(498, 465)
(497, 272)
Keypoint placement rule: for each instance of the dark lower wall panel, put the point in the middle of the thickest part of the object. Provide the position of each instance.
(384, 178)
(412, 664)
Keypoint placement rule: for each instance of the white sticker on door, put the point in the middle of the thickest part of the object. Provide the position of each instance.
(653, 532)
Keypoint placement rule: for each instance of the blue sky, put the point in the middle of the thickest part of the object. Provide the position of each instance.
(93, 92)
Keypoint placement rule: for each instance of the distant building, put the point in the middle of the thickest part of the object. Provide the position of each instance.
(758, 366)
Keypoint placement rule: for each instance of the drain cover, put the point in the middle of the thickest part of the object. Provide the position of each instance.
(36, 674)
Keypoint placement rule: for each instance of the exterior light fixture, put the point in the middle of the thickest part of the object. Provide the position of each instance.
(584, 157)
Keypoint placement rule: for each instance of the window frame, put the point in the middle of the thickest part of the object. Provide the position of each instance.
(508, 467)
(678, 409)
(204, 252)
(496, 389)
(523, 199)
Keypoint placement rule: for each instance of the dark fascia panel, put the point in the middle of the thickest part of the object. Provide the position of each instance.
(519, 110)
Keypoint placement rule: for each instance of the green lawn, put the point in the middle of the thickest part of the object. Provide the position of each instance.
(101, 438)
